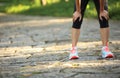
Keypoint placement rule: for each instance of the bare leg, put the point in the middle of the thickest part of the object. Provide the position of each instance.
(104, 36)
(106, 53)
(75, 36)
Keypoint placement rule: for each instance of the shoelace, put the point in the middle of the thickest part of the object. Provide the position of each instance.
(73, 50)
(106, 49)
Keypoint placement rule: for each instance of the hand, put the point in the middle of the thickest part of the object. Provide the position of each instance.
(77, 14)
(104, 14)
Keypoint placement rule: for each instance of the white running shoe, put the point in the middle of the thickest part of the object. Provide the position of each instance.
(106, 53)
(73, 54)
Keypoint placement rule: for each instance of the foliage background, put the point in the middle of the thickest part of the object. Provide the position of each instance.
(59, 8)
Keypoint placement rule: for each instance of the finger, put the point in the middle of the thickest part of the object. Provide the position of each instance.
(104, 16)
(74, 18)
(101, 18)
(80, 17)
(107, 16)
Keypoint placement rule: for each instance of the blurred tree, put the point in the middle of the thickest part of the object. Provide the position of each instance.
(44, 2)
(66, 0)
(37, 2)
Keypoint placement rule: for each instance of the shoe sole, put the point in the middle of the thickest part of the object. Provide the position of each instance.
(74, 57)
(109, 56)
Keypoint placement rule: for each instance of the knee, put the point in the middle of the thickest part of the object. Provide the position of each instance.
(104, 23)
(77, 24)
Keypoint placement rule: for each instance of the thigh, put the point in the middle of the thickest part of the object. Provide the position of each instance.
(77, 23)
(103, 23)
(83, 6)
(97, 5)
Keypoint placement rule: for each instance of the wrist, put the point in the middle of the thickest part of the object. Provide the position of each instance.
(101, 10)
(78, 11)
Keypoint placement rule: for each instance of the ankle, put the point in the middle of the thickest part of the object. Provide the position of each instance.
(104, 47)
(106, 44)
(74, 47)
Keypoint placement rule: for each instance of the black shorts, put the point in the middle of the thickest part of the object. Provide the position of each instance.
(103, 23)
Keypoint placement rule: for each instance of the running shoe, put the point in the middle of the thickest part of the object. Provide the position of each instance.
(73, 54)
(106, 53)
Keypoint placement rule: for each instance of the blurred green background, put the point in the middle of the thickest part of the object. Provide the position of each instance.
(59, 8)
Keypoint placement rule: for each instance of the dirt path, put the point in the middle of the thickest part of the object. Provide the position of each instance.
(38, 47)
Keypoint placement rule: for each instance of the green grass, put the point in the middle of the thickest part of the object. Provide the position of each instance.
(58, 8)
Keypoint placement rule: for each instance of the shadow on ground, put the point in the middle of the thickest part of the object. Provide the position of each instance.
(37, 47)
